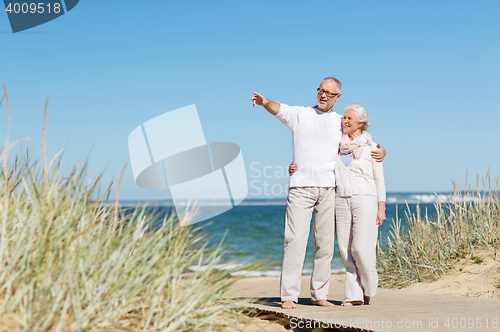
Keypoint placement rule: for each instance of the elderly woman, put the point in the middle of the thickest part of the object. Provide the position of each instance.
(359, 205)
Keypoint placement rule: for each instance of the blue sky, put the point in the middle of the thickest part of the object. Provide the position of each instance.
(428, 73)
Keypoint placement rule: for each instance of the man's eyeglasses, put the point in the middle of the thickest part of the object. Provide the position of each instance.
(327, 93)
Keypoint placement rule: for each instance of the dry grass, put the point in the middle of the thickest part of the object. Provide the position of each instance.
(426, 249)
(72, 262)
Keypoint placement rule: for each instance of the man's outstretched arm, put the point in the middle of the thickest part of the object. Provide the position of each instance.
(272, 107)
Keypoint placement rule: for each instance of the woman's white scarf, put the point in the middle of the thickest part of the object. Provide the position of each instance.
(355, 147)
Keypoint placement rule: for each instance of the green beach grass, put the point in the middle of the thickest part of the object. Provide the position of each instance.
(425, 249)
(71, 261)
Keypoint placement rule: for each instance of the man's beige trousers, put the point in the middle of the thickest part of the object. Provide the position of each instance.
(302, 201)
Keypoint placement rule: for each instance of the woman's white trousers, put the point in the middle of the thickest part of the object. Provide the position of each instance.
(357, 231)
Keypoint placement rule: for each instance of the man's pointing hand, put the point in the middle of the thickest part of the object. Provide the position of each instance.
(271, 106)
(259, 99)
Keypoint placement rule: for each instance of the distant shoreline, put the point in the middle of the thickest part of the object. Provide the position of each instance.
(392, 198)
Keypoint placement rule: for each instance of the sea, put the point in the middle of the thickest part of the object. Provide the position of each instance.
(252, 232)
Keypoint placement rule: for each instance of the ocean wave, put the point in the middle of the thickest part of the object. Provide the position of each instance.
(276, 272)
(399, 198)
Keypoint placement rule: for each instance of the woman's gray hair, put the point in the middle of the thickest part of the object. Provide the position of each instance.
(361, 114)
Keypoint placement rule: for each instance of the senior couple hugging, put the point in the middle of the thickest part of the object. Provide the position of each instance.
(337, 173)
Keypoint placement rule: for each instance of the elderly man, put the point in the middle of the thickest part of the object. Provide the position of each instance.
(316, 135)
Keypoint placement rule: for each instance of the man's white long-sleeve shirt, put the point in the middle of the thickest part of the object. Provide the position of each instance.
(316, 137)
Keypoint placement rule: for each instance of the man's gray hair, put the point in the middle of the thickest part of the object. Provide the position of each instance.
(339, 85)
(361, 114)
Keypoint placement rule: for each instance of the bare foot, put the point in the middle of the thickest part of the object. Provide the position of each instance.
(367, 300)
(351, 303)
(323, 303)
(288, 304)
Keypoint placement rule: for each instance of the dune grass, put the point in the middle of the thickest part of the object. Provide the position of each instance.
(72, 262)
(425, 249)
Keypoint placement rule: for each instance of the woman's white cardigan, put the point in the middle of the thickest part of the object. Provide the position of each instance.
(363, 176)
